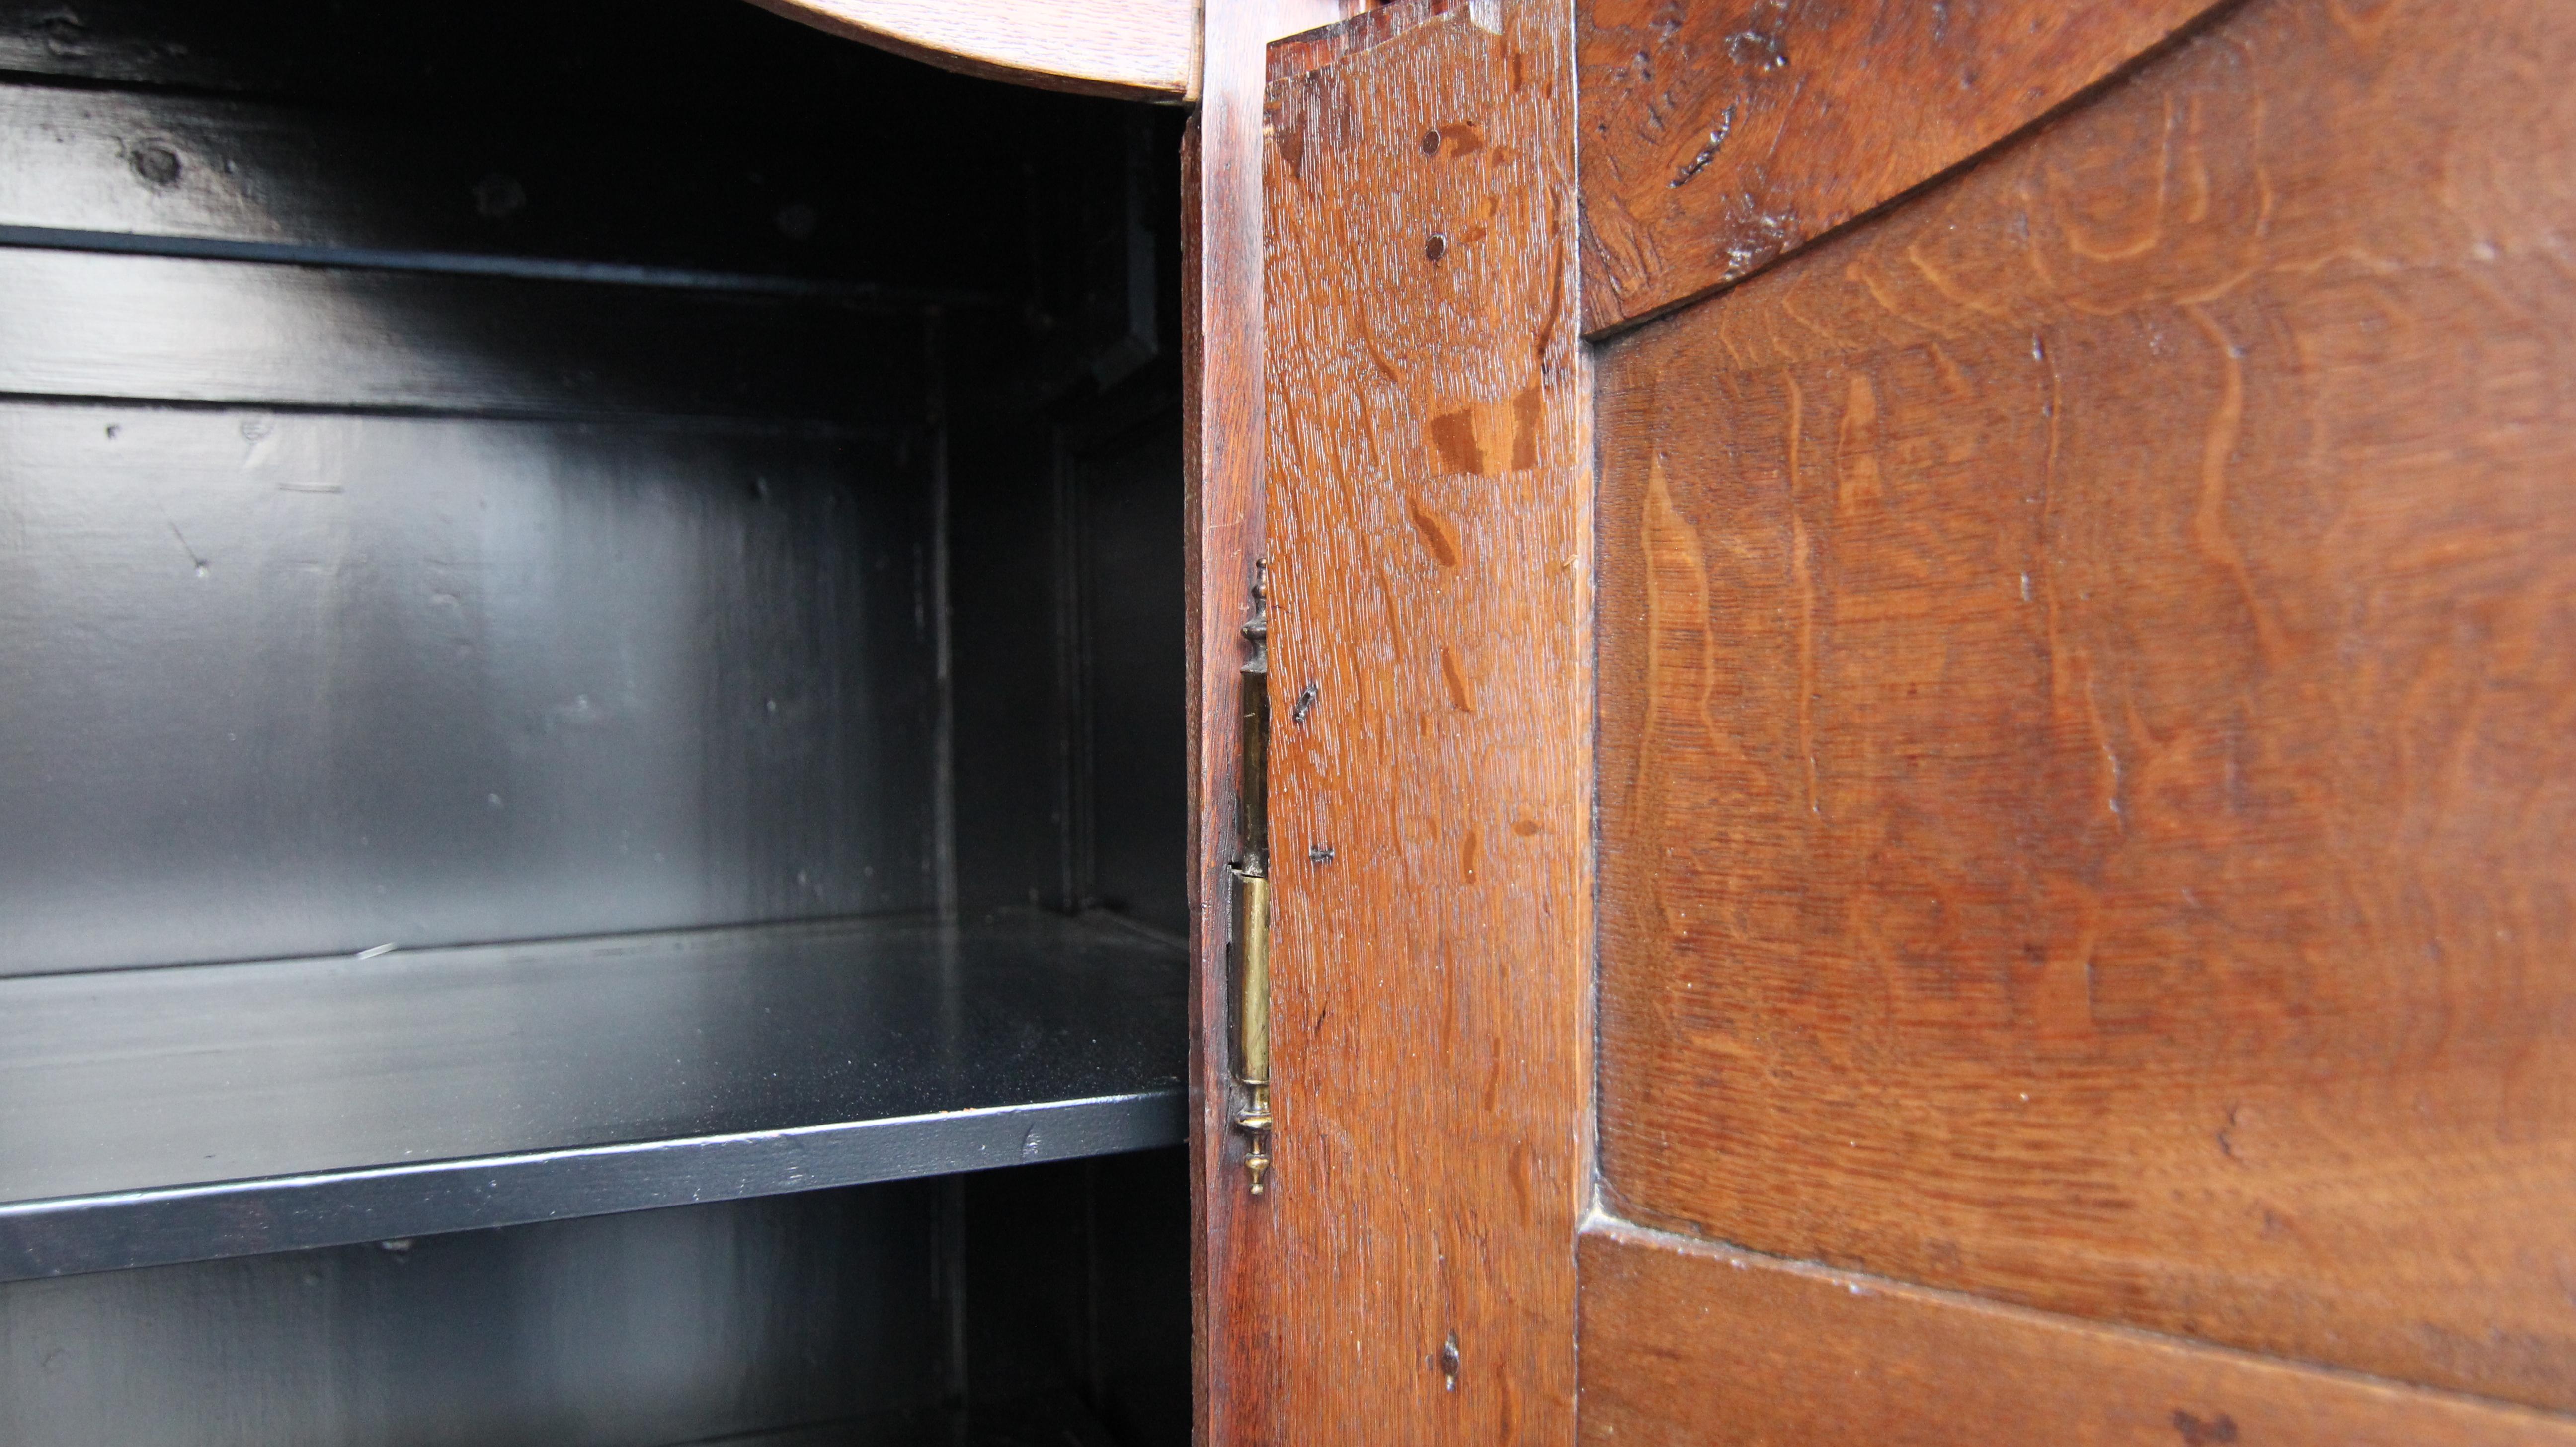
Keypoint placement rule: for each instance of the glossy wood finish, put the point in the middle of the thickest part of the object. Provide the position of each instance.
(1687, 1344)
(2088, 670)
(1131, 49)
(1719, 137)
(1429, 509)
(1222, 518)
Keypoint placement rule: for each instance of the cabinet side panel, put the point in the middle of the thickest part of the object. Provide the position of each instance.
(1429, 497)
(2089, 796)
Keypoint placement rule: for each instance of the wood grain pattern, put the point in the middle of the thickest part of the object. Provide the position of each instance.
(1132, 49)
(1429, 508)
(1685, 1344)
(1720, 137)
(2089, 661)
(1221, 451)
(1366, 25)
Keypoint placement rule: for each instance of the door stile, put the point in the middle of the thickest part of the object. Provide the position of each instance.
(1221, 355)
(1408, 1275)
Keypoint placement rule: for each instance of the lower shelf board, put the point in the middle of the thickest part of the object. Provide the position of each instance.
(185, 1113)
(1051, 1418)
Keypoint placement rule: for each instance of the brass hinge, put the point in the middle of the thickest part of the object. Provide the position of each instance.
(1252, 1018)
(1252, 896)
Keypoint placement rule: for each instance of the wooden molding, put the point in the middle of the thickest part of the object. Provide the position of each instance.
(1689, 1342)
(1721, 137)
(1131, 49)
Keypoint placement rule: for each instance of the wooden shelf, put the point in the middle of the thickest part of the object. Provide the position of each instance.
(191, 1112)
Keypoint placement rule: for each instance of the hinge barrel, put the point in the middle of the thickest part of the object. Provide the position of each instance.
(1252, 1020)
(1252, 899)
(1252, 978)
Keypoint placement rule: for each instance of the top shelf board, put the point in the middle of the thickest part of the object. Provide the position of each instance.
(191, 1112)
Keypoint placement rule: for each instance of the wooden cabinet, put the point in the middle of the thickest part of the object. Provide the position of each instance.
(1927, 793)
(1879, 725)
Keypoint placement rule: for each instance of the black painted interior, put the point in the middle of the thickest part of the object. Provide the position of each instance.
(516, 470)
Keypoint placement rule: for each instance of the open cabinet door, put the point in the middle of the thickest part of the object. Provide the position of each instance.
(1408, 1272)
(2021, 558)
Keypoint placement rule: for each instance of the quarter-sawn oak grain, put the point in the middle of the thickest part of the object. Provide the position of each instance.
(2089, 715)
(1686, 1344)
(1718, 137)
(1429, 508)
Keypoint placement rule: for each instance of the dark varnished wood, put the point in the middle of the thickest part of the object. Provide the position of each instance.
(1429, 509)
(1222, 521)
(2088, 663)
(1686, 1344)
(1720, 137)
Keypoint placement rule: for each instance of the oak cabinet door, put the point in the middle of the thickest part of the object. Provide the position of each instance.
(1427, 485)
(1921, 784)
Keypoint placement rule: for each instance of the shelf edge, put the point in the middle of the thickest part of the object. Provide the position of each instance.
(167, 1225)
